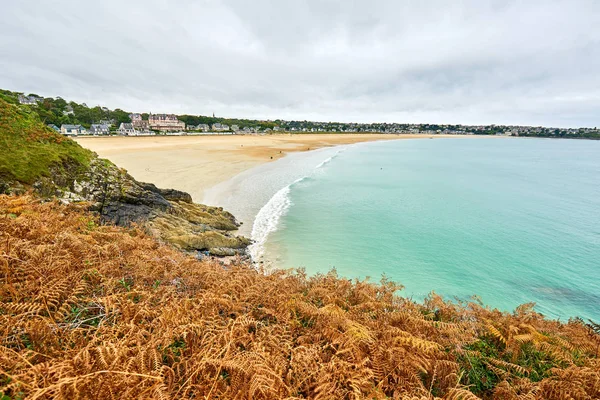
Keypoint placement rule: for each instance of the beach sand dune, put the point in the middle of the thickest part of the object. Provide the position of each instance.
(195, 163)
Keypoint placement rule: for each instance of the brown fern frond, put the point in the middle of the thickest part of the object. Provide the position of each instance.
(496, 333)
(460, 394)
(507, 366)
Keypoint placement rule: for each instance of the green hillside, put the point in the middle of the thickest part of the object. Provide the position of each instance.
(30, 150)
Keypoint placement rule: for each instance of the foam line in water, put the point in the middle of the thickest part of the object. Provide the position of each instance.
(267, 219)
(328, 160)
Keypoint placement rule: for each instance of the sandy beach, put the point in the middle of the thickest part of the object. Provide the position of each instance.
(196, 163)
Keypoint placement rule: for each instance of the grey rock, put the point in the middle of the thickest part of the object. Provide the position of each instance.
(168, 214)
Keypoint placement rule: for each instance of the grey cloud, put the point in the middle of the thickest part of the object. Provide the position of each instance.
(532, 62)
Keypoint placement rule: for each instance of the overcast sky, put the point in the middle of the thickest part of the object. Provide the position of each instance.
(505, 62)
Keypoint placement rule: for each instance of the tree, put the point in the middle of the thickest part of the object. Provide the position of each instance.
(120, 116)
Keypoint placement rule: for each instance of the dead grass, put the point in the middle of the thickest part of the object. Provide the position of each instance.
(98, 312)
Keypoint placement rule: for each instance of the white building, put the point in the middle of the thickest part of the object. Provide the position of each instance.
(138, 122)
(72, 130)
(220, 127)
(127, 129)
(109, 122)
(30, 100)
(249, 130)
(165, 122)
(99, 129)
(68, 110)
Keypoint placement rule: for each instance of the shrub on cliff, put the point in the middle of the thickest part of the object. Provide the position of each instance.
(30, 150)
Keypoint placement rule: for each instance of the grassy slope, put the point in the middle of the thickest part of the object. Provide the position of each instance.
(78, 321)
(28, 148)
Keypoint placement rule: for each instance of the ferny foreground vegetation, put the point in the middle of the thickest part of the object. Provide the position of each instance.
(91, 311)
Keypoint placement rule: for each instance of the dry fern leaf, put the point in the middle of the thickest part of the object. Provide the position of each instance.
(423, 345)
(496, 333)
(460, 394)
(507, 366)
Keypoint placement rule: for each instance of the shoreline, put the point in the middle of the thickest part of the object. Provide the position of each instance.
(262, 256)
(251, 191)
(195, 164)
(270, 252)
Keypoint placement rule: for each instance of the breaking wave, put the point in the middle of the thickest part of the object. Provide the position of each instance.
(267, 219)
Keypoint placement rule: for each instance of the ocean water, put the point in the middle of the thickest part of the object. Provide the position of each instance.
(511, 220)
(254, 191)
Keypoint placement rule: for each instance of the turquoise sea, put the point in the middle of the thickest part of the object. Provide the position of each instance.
(511, 220)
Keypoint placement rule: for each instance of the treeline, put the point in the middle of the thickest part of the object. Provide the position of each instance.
(58, 111)
(562, 134)
(195, 120)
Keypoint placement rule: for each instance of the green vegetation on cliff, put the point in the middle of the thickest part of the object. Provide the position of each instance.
(30, 150)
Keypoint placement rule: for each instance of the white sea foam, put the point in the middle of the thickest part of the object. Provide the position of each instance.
(327, 161)
(267, 219)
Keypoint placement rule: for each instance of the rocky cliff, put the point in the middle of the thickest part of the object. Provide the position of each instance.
(33, 157)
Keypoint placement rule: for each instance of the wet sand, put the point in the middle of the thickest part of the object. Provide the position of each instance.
(196, 163)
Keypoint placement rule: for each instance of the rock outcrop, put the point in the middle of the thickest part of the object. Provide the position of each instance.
(32, 156)
(166, 213)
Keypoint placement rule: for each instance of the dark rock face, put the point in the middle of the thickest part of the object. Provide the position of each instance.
(124, 214)
(166, 213)
(115, 195)
(8, 186)
(169, 194)
(4, 187)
